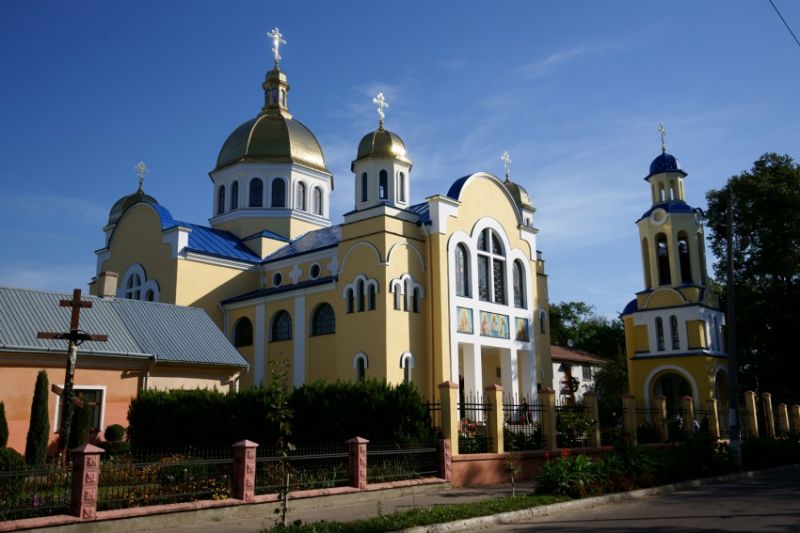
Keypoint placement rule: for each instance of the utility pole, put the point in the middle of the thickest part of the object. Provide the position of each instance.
(733, 364)
(76, 337)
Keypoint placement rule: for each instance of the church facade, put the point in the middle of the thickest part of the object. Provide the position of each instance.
(448, 289)
(673, 328)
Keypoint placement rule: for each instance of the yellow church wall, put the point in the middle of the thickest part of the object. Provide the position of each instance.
(264, 246)
(321, 349)
(696, 334)
(164, 377)
(641, 339)
(700, 368)
(664, 298)
(545, 374)
(438, 326)
(247, 377)
(675, 224)
(204, 285)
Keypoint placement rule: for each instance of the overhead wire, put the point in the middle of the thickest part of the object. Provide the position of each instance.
(784, 22)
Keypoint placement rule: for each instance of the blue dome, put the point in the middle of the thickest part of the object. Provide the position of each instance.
(665, 163)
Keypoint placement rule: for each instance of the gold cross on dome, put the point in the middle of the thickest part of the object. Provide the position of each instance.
(141, 170)
(381, 101)
(506, 163)
(277, 41)
(663, 132)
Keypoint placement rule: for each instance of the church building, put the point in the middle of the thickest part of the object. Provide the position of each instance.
(673, 328)
(451, 288)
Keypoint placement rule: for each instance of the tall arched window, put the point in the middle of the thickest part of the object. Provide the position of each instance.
(278, 193)
(371, 297)
(519, 284)
(257, 192)
(662, 254)
(281, 326)
(300, 196)
(133, 289)
(323, 322)
(673, 329)
(221, 199)
(235, 195)
(462, 271)
(683, 257)
(360, 365)
(407, 364)
(542, 322)
(364, 187)
(659, 334)
(648, 282)
(351, 303)
(415, 300)
(401, 187)
(491, 268)
(406, 293)
(317, 201)
(662, 195)
(243, 332)
(397, 296)
(383, 185)
(360, 295)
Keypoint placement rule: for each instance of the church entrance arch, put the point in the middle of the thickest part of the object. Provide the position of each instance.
(673, 387)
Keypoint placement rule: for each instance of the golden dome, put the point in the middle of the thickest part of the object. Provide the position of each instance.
(381, 143)
(126, 202)
(521, 196)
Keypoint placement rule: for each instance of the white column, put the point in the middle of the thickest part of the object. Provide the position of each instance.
(299, 365)
(509, 373)
(473, 371)
(260, 344)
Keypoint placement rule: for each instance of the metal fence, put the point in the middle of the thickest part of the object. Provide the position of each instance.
(435, 415)
(389, 461)
(647, 430)
(321, 466)
(35, 492)
(473, 435)
(572, 425)
(523, 429)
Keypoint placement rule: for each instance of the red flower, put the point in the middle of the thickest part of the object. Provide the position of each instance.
(565, 453)
(546, 456)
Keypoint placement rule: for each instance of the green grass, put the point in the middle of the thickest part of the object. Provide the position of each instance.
(422, 517)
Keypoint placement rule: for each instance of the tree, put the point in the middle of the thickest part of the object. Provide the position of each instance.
(766, 251)
(39, 428)
(575, 324)
(3, 426)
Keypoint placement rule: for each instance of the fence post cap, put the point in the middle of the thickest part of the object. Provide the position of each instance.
(766, 395)
(687, 399)
(245, 444)
(357, 440)
(87, 449)
(494, 387)
(448, 385)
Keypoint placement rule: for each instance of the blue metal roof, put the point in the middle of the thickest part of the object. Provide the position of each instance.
(672, 206)
(665, 163)
(135, 329)
(278, 290)
(423, 211)
(455, 189)
(219, 243)
(632, 307)
(309, 242)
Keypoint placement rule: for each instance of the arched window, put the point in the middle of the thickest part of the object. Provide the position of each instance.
(648, 282)
(281, 326)
(350, 301)
(491, 268)
(221, 199)
(371, 297)
(659, 334)
(407, 364)
(673, 329)
(257, 192)
(542, 320)
(360, 295)
(701, 254)
(415, 300)
(673, 190)
(397, 296)
(406, 293)
(149, 296)
(317, 201)
(300, 196)
(133, 288)
(519, 284)
(235, 195)
(278, 193)
(462, 271)
(323, 322)
(662, 195)
(243, 332)
(364, 187)
(662, 254)
(383, 185)
(360, 364)
(401, 187)
(683, 257)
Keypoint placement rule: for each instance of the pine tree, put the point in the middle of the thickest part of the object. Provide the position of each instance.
(39, 428)
(3, 426)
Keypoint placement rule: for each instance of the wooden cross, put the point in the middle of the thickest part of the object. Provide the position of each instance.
(75, 338)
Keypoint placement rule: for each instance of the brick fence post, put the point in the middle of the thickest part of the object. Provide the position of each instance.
(794, 418)
(713, 418)
(629, 416)
(783, 419)
(593, 412)
(494, 397)
(357, 452)
(750, 408)
(85, 480)
(769, 417)
(451, 423)
(687, 412)
(244, 471)
(547, 397)
(660, 417)
(445, 460)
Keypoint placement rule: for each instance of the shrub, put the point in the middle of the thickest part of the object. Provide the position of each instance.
(115, 448)
(698, 456)
(762, 452)
(80, 429)
(39, 428)
(574, 476)
(114, 433)
(11, 459)
(3, 426)
(12, 468)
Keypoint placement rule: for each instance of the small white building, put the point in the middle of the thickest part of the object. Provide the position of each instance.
(573, 372)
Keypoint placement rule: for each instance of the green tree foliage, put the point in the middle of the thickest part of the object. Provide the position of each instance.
(81, 428)
(577, 324)
(3, 426)
(39, 428)
(766, 251)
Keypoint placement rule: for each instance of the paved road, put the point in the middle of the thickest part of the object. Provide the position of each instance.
(769, 502)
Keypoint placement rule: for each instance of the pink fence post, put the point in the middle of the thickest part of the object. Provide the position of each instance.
(357, 451)
(85, 479)
(446, 460)
(244, 471)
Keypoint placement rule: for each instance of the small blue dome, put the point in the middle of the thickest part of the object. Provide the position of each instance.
(665, 163)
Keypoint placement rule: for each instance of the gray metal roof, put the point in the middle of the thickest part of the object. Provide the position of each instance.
(135, 329)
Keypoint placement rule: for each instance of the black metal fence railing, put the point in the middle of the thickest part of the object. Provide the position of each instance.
(473, 435)
(387, 461)
(523, 428)
(435, 414)
(322, 466)
(127, 482)
(573, 424)
(35, 492)
(647, 416)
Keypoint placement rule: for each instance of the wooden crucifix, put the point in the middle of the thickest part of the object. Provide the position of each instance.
(75, 337)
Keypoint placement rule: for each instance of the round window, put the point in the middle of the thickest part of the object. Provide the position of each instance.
(277, 278)
(315, 270)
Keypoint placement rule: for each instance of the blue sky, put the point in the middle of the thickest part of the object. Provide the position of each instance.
(573, 90)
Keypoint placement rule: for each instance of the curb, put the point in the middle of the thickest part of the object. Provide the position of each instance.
(584, 503)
